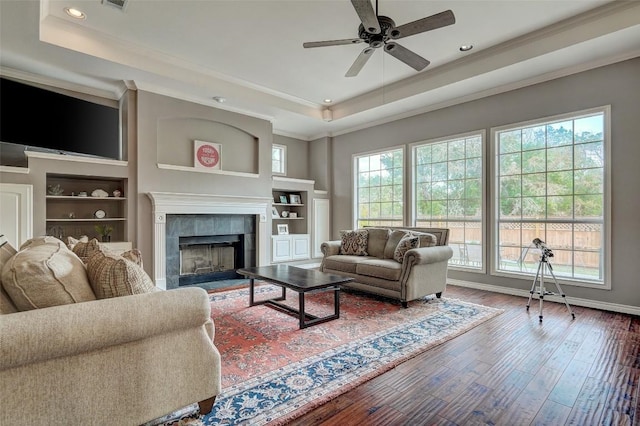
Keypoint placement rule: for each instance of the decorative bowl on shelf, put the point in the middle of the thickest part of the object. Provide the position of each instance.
(100, 193)
(55, 190)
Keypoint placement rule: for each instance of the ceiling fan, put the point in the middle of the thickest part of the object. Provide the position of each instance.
(381, 31)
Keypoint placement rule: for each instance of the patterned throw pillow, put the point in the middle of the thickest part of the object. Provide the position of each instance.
(354, 242)
(405, 245)
(112, 275)
(85, 250)
(133, 255)
(71, 242)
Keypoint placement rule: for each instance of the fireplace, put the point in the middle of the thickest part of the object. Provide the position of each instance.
(210, 258)
(184, 215)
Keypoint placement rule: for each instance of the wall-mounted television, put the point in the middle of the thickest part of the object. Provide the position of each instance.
(39, 118)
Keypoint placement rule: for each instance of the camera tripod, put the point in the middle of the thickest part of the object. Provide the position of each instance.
(544, 263)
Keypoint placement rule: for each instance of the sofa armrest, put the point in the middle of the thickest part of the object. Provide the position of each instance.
(426, 255)
(41, 334)
(330, 248)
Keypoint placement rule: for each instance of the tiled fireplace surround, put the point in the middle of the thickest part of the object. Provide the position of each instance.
(179, 214)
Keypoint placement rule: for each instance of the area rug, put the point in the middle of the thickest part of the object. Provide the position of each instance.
(273, 372)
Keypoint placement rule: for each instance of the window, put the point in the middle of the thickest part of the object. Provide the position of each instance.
(550, 185)
(448, 192)
(379, 188)
(279, 159)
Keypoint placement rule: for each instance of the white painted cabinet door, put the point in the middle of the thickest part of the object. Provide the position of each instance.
(16, 212)
(321, 231)
(300, 245)
(281, 248)
(290, 247)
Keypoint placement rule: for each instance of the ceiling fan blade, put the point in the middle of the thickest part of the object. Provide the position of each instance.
(429, 23)
(359, 62)
(367, 15)
(414, 60)
(332, 42)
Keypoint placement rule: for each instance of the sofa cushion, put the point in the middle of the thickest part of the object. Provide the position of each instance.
(354, 242)
(6, 252)
(381, 268)
(343, 262)
(45, 273)
(406, 243)
(112, 275)
(377, 241)
(394, 238)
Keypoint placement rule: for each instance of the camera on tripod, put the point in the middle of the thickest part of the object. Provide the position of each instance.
(545, 251)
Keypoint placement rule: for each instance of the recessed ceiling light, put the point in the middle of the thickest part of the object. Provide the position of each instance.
(220, 99)
(466, 47)
(327, 101)
(75, 13)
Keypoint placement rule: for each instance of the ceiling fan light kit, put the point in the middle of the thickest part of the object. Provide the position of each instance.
(380, 31)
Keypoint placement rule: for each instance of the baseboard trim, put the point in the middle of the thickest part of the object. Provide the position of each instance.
(587, 303)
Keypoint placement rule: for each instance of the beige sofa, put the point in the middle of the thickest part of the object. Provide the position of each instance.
(117, 361)
(420, 271)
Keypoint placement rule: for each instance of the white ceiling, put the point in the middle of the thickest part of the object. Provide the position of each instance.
(251, 53)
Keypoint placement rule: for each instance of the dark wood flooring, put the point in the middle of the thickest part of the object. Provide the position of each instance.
(512, 370)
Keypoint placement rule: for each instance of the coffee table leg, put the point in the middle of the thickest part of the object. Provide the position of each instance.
(251, 289)
(301, 314)
(336, 302)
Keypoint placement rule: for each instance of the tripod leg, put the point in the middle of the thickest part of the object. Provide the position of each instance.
(533, 286)
(542, 290)
(564, 298)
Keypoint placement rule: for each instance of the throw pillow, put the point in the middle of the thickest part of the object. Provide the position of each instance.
(354, 242)
(426, 239)
(45, 273)
(133, 255)
(71, 242)
(394, 238)
(6, 252)
(85, 250)
(112, 275)
(48, 239)
(405, 244)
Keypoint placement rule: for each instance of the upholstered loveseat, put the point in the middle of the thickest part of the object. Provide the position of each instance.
(401, 263)
(69, 357)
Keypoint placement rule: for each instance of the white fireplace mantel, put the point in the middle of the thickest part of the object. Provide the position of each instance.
(165, 203)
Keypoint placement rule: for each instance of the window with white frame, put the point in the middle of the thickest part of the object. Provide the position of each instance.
(379, 188)
(448, 193)
(279, 159)
(551, 184)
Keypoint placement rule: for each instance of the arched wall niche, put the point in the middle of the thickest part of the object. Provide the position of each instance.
(239, 149)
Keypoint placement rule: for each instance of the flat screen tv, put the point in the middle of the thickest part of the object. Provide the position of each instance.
(40, 118)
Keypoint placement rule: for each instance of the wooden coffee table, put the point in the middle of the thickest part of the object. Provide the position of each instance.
(301, 281)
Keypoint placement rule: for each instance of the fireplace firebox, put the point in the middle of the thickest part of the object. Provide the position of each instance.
(210, 258)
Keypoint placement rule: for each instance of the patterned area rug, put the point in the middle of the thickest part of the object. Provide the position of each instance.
(273, 372)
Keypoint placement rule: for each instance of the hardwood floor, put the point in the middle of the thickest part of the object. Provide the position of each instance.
(511, 370)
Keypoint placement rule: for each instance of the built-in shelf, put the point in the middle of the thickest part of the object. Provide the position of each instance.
(74, 215)
(111, 219)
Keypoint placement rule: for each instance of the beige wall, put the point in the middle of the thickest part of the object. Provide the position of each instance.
(208, 124)
(297, 156)
(616, 85)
